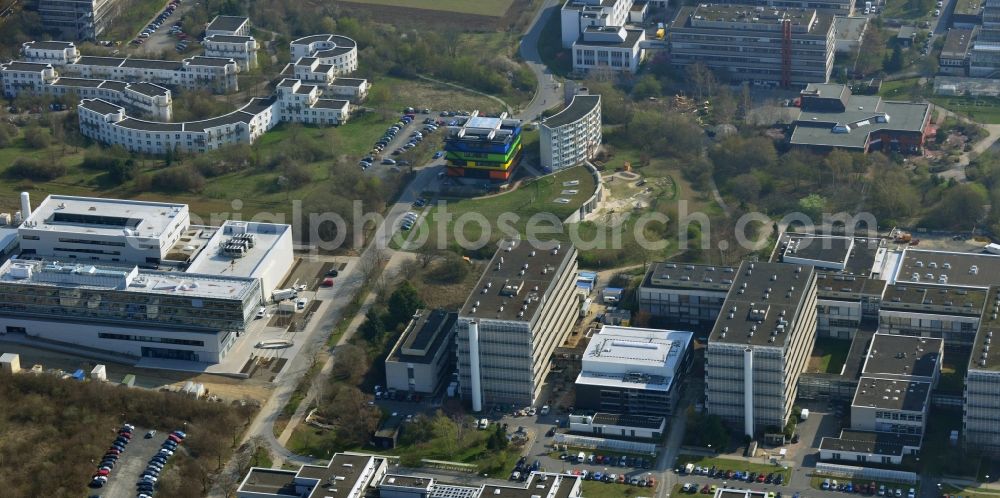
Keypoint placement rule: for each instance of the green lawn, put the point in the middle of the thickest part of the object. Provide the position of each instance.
(898, 89)
(907, 9)
(492, 8)
(134, 16)
(467, 446)
(532, 198)
(594, 489)
(969, 492)
(829, 355)
(984, 110)
(732, 464)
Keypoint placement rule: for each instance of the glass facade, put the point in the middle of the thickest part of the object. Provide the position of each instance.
(134, 308)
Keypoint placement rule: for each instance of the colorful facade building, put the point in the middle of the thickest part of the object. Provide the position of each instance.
(483, 147)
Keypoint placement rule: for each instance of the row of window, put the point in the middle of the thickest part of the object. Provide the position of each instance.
(143, 338)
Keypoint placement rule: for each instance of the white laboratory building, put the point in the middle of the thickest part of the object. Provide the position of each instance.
(137, 279)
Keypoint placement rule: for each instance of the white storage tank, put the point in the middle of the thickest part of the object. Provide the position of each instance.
(10, 362)
(100, 372)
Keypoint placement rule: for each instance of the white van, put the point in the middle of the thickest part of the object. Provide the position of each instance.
(582, 457)
(483, 423)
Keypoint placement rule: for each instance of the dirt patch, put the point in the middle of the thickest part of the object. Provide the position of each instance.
(227, 388)
(403, 16)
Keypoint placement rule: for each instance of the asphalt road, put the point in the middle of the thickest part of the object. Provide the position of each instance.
(121, 482)
(548, 90)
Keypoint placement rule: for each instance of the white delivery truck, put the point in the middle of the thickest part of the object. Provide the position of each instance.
(282, 294)
(582, 457)
(805, 414)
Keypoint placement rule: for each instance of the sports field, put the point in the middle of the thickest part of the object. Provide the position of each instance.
(491, 8)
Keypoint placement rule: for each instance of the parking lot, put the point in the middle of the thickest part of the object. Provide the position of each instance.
(162, 40)
(121, 481)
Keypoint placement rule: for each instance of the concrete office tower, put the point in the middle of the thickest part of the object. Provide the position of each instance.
(78, 19)
(772, 46)
(981, 414)
(760, 344)
(523, 307)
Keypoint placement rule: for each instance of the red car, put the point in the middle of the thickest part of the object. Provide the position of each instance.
(174, 438)
(328, 282)
(761, 477)
(103, 472)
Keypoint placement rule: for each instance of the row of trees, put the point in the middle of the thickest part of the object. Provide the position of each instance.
(55, 428)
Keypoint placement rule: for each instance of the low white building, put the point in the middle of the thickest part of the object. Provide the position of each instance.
(57, 53)
(573, 135)
(633, 371)
(228, 25)
(242, 49)
(617, 426)
(420, 360)
(353, 89)
(855, 447)
(614, 48)
(339, 52)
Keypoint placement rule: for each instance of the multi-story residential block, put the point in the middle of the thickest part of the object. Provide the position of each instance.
(294, 102)
(573, 135)
(242, 49)
(31, 77)
(954, 57)
(831, 117)
(685, 294)
(228, 26)
(523, 307)
(633, 371)
(301, 103)
(314, 71)
(766, 46)
(57, 53)
(483, 147)
(339, 52)
(760, 345)
(216, 74)
(422, 358)
(78, 19)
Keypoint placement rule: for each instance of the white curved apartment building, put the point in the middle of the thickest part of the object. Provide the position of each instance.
(108, 123)
(572, 136)
(337, 51)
